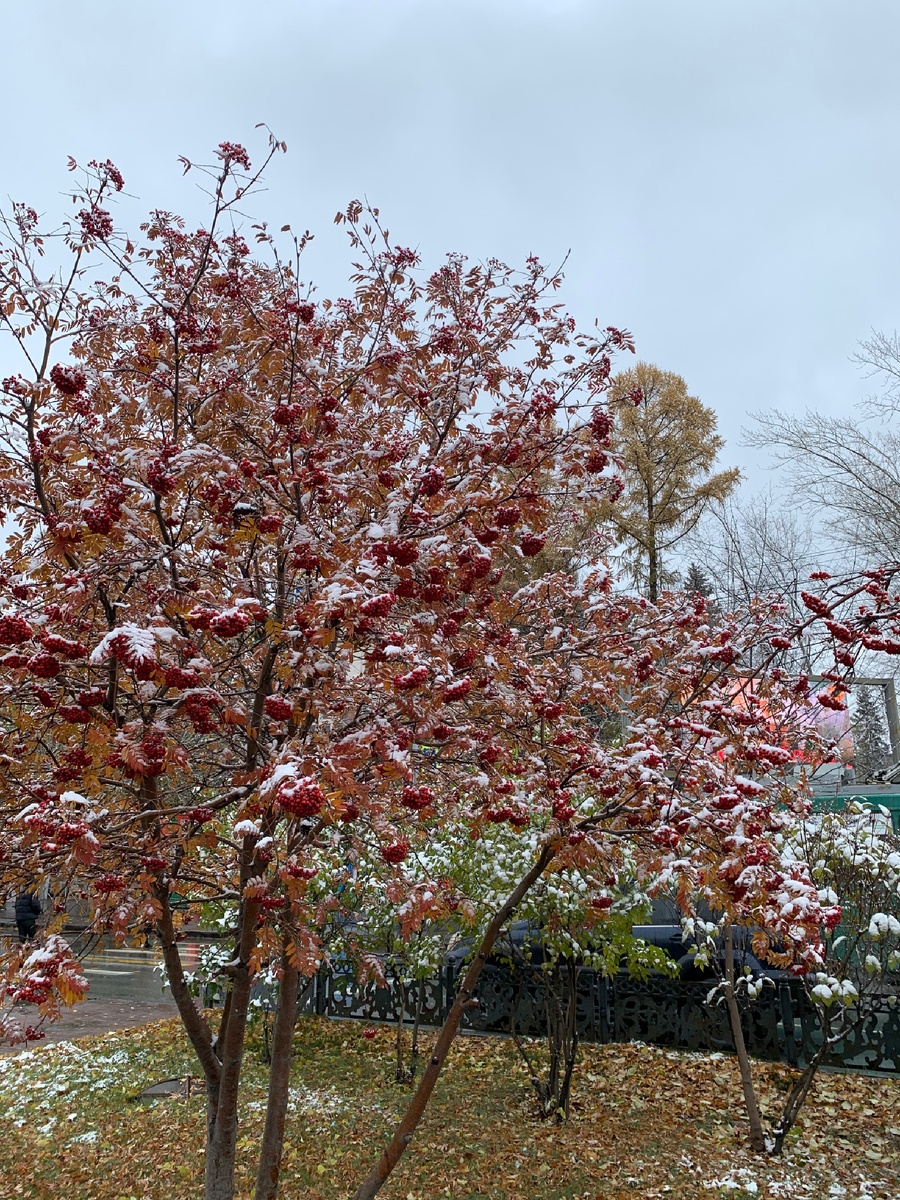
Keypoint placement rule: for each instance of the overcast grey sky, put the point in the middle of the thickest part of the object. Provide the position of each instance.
(725, 173)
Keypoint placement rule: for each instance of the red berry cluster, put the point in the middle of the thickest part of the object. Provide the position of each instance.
(833, 917)
(488, 536)
(14, 631)
(133, 656)
(198, 707)
(287, 414)
(153, 862)
(39, 824)
(96, 223)
(601, 425)
(55, 644)
(74, 714)
(378, 606)
(304, 559)
(490, 754)
(417, 797)
(562, 809)
(396, 852)
(153, 752)
(229, 624)
(596, 462)
(233, 152)
(403, 553)
(457, 690)
(108, 173)
(31, 992)
(301, 797)
(68, 380)
(14, 661)
(816, 604)
(45, 666)
(177, 677)
(107, 884)
(532, 544)
(432, 481)
(508, 515)
(411, 680)
(297, 872)
(465, 660)
(78, 757)
(100, 518)
(71, 831)
(279, 708)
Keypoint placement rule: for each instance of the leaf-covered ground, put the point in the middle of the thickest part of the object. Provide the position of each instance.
(648, 1123)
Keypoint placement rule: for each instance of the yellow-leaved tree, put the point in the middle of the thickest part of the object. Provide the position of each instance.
(667, 442)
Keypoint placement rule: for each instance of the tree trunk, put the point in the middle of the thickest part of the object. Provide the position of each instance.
(571, 1040)
(796, 1099)
(757, 1137)
(279, 1081)
(195, 1025)
(222, 1136)
(801, 1089)
(403, 1135)
(652, 562)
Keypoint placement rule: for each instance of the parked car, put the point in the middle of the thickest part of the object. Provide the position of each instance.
(521, 944)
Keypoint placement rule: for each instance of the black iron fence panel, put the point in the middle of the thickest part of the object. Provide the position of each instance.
(781, 1024)
(871, 1043)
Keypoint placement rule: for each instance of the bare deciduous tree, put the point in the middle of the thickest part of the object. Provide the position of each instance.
(847, 469)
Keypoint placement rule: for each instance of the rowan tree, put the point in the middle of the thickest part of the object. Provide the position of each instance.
(666, 442)
(787, 879)
(254, 560)
(684, 798)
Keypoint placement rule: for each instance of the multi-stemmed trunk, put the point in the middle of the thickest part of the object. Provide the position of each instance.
(221, 1059)
(560, 985)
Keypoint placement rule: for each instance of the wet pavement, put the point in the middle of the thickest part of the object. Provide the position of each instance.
(91, 1018)
(125, 990)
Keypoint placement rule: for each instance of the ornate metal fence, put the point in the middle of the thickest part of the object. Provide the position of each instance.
(781, 1025)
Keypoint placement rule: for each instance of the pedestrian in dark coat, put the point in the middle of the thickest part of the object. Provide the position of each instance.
(28, 909)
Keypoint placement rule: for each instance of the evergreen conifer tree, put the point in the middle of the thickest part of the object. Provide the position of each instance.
(696, 580)
(872, 752)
